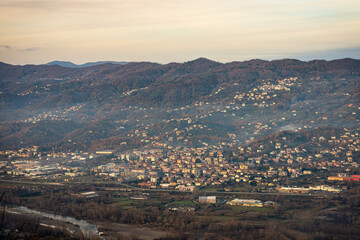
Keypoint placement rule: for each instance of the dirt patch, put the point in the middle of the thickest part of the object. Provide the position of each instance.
(111, 230)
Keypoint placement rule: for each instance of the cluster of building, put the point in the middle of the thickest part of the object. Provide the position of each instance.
(246, 202)
(336, 154)
(30, 163)
(60, 114)
(344, 177)
(265, 94)
(310, 189)
(181, 168)
(262, 95)
(186, 169)
(237, 202)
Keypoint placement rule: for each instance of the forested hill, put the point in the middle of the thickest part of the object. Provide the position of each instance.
(166, 85)
(112, 100)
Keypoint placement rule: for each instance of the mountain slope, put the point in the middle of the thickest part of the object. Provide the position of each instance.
(249, 99)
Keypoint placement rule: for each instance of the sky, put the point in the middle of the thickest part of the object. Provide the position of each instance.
(163, 31)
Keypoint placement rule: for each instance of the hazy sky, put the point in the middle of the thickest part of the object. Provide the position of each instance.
(39, 31)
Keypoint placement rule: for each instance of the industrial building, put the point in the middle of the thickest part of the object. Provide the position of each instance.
(207, 199)
(245, 202)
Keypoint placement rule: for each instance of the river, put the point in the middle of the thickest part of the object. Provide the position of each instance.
(86, 227)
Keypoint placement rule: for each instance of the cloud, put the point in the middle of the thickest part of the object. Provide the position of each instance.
(56, 5)
(6, 47)
(39, 4)
(30, 49)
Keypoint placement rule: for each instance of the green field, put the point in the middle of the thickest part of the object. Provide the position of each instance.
(123, 202)
(184, 203)
(210, 189)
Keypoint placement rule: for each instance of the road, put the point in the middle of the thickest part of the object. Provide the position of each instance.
(129, 188)
(33, 183)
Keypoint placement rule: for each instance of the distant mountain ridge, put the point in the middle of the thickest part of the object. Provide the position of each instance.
(68, 64)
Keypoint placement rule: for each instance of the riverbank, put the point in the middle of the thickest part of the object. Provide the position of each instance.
(69, 225)
(78, 228)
